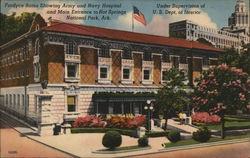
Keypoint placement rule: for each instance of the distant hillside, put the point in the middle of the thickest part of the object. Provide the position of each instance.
(14, 26)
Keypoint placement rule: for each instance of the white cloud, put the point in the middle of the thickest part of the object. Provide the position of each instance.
(159, 25)
(44, 11)
(124, 22)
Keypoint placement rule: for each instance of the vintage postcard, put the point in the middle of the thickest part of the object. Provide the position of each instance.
(125, 78)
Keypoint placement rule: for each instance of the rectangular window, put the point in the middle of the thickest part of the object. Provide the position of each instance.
(104, 72)
(10, 97)
(71, 70)
(213, 62)
(175, 62)
(7, 99)
(117, 108)
(14, 99)
(146, 74)
(70, 48)
(183, 60)
(147, 57)
(104, 52)
(165, 57)
(103, 107)
(126, 73)
(205, 61)
(71, 101)
(126, 54)
(164, 75)
(18, 99)
(23, 103)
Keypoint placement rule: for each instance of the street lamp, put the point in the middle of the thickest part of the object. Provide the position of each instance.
(149, 107)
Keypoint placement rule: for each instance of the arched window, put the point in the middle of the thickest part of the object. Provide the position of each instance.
(37, 27)
(37, 47)
(37, 70)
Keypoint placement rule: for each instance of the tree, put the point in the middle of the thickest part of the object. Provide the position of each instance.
(230, 57)
(244, 59)
(13, 26)
(222, 90)
(204, 41)
(240, 60)
(171, 97)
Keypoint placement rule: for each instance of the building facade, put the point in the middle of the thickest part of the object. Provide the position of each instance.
(233, 35)
(239, 20)
(82, 63)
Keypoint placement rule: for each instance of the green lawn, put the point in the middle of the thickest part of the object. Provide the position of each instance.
(232, 122)
(191, 141)
(123, 148)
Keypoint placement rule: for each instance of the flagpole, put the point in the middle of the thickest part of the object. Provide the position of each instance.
(132, 19)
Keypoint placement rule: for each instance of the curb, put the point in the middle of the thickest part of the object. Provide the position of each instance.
(121, 151)
(201, 145)
(186, 147)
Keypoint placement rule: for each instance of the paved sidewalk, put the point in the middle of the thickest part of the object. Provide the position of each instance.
(83, 144)
(176, 125)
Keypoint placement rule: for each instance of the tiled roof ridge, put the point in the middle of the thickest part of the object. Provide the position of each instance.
(125, 31)
(88, 27)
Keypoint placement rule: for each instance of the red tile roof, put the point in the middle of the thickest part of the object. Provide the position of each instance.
(126, 36)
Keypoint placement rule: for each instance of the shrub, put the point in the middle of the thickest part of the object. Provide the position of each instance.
(157, 134)
(88, 121)
(202, 135)
(174, 136)
(205, 118)
(143, 141)
(112, 139)
(128, 132)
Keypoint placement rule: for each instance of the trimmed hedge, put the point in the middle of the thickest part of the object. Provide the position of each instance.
(202, 135)
(143, 141)
(174, 136)
(157, 134)
(112, 139)
(127, 132)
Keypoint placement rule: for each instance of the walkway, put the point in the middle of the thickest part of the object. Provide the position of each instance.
(82, 144)
(12, 144)
(176, 125)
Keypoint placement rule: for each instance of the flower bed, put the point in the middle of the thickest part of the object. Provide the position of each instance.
(125, 122)
(112, 122)
(204, 118)
(93, 124)
(88, 121)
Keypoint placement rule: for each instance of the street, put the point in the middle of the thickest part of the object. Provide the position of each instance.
(12, 144)
(239, 150)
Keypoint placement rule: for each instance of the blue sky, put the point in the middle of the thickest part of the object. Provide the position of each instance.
(215, 13)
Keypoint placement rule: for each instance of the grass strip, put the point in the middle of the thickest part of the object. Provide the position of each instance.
(191, 141)
(123, 148)
(230, 125)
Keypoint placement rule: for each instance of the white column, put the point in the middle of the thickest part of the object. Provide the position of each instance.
(45, 121)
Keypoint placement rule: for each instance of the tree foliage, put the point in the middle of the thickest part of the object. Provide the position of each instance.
(204, 41)
(240, 60)
(230, 57)
(171, 97)
(225, 85)
(222, 90)
(13, 26)
(244, 61)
